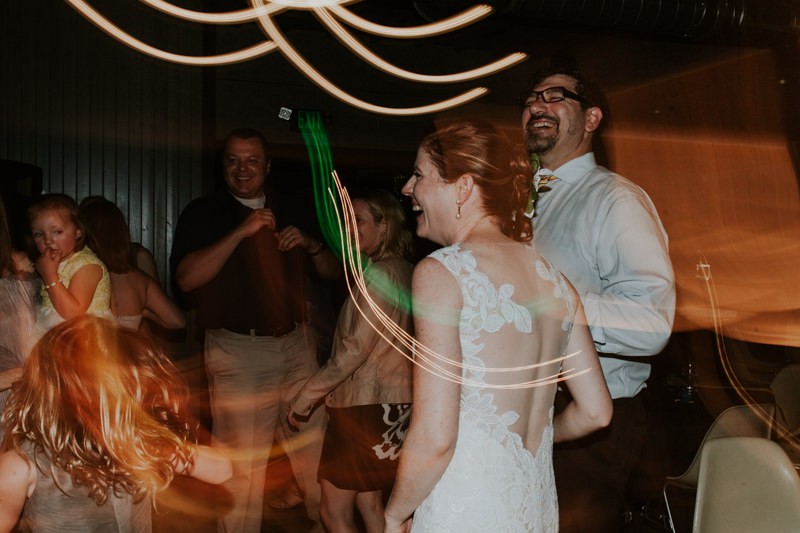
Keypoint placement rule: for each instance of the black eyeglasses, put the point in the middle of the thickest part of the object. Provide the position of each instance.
(551, 95)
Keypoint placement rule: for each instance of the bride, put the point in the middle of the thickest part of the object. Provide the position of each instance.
(495, 326)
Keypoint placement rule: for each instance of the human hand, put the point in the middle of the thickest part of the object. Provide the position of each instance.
(294, 420)
(257, 219)
(47, 264)
(393, 526)
(292, 237)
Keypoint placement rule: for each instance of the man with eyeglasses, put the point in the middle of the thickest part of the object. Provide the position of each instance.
(604, 234)
(242, 268)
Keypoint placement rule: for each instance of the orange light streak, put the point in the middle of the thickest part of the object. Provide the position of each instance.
(369, 57)
(327, 11)
(704, 271)
(125, 38)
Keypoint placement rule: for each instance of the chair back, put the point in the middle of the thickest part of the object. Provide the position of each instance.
(786, 391)
(746, 485)
(736, 421)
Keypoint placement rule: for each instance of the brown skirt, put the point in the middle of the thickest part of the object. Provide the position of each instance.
(362, 444)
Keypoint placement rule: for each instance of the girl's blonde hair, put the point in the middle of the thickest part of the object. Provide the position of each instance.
(105, 405)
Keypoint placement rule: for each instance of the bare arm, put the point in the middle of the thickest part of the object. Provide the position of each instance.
(18, 481)
(201, 266)
(211, 465)
(431, 439)
(357, 338)
(75, 300)
(159, 308)
(590, 408)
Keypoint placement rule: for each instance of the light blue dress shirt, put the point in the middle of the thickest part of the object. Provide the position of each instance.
(603, 233)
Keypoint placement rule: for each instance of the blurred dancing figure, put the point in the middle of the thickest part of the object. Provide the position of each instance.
(366, 382)
(18, 287)
(243, 265)
(96, 425)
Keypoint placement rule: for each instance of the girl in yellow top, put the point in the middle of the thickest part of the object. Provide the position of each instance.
(74, 280)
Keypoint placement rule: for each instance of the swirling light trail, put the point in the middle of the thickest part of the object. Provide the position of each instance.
(457, 21)
(704, 271)
(311, 73)
(326, 11)
(433, 361)
(114, 31)
(368, 56)
(335, 210)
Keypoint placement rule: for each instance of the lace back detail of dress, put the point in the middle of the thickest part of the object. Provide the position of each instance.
(493, 483)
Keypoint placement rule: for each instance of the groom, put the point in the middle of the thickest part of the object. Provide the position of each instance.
(603, 233)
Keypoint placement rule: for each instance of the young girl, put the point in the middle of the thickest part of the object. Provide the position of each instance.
(94, 428)
(74, 280)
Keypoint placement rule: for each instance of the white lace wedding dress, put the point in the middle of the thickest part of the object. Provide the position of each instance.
(493, 483)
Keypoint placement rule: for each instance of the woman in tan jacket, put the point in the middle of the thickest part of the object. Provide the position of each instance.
(367, 381)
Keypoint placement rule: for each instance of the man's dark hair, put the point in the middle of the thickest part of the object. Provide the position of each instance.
(245, 133)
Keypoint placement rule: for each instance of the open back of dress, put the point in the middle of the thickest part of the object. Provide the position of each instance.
(514, 327)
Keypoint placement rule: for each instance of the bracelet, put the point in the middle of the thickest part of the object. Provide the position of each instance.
(317, 251)
(49, 286)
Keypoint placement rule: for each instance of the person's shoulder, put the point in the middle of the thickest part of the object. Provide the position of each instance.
(203, 203)
(609, 186)
(395, 267)
(138, 279)
(17, 469)
(86, 256)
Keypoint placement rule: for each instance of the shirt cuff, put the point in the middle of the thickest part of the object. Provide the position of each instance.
(591, 307)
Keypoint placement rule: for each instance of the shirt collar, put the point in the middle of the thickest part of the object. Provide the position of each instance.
(574, 169)
(252, 203)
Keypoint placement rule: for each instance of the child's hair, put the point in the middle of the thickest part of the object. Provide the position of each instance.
(108, 233)
(104, 404)
(66, 205)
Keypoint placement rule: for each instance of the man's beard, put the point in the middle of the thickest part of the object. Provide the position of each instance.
(537, 144)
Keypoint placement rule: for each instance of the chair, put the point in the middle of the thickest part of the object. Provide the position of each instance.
(785, 389)
(736, 421)
(746, 485)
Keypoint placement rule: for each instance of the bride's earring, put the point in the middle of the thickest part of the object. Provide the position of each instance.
(458, 212)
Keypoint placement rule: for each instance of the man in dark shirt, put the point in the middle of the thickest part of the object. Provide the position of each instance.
(246, 280)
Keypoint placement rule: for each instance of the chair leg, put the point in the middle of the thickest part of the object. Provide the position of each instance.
(670, 521)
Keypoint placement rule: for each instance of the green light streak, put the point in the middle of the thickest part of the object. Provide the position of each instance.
(329, 205)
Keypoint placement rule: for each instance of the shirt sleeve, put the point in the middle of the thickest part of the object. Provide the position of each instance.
(357, 335)
(633, 314)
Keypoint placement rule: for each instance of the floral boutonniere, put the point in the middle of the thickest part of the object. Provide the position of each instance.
(537, 187)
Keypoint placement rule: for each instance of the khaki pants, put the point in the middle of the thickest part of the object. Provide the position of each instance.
(251, 382)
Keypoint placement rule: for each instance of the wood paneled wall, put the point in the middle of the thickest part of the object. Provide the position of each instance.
(100, 119)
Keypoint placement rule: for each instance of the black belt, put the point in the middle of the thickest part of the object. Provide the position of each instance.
(269, 332)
